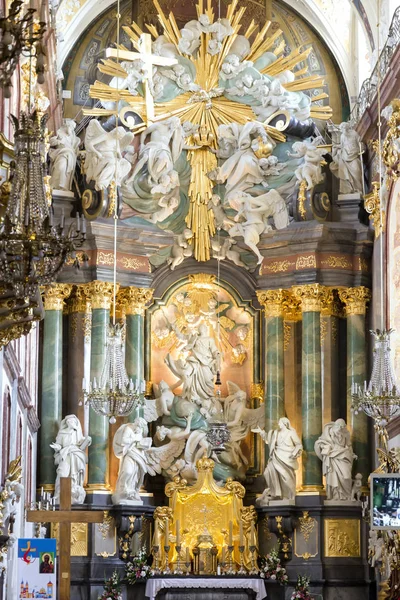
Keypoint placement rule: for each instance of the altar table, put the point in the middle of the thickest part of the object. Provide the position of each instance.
(156, 584)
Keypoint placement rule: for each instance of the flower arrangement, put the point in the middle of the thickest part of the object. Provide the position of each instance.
(137, 567)
(302, 589)
(112, 588)
(272, 569)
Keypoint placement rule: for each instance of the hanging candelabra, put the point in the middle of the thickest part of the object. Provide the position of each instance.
(33, 248)
(19, 35)
(114, 395)
(380, 398)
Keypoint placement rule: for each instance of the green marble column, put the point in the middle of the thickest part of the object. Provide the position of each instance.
(355, 301)
(132, 301)
(51, 393)
(312, 297)
(273, 302)
(101, 294)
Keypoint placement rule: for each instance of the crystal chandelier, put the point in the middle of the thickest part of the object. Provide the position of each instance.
(380, 398)
(33, 249)
(114, 395)
(19, 34)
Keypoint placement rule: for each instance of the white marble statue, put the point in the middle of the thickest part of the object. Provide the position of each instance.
(181, 249)
(310, 169)
(335, 450)
(284, 450)
(138, 458)
(14, 491)
(104, 162)
(356, 490)
(70, 457)
(164, 397)
(197, 372)
(222, 221)
(347, 151)
(376, 546)
(63, 154)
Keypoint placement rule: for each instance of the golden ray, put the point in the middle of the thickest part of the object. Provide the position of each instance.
(286, 62)
(307, 83)
(321, 96)
(113, 68)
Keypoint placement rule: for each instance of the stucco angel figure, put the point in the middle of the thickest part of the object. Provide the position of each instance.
(153, 409)
(346, 165)
(160, 153)
(137, 458)
(253, 217)
(239, 420)
(70, 457)
(104, 161)
(335, 450)
(284, 450)
(310, 170)
(198, 372)
(63, 154)
(181, 249)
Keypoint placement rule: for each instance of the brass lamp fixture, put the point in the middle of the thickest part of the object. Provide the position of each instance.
(19, 35)
(33, 248)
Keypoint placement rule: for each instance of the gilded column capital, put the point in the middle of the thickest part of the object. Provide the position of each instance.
(79, 301)
(132, 300)
(312, 296)
(55, 294)
(355, 300)
(272, 301)
(101, 293)
(331, 305)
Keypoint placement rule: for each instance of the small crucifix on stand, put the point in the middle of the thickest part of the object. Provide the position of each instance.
(65, 517)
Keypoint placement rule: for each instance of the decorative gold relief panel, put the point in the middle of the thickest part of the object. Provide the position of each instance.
(342, 538)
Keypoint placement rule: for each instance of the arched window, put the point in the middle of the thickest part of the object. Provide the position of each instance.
(6, 434)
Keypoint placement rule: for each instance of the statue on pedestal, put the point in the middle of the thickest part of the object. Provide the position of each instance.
(70, 457)
(138, 457)
(335, 450)
(63, 154)
(346, 165)
(284, 450)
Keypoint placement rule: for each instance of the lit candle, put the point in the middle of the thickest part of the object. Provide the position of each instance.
(240, 533)
(166, 532)
(230, 533)
(177, 533)
(253, 534)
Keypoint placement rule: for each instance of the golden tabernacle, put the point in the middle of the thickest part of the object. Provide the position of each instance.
(205, 529)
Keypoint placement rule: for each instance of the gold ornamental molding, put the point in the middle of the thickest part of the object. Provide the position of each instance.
(332, 307)
(54, 295)
(372, 204)
(272, 301)
(355, 300)
(132, 300)
(313, 296)
(101, 294)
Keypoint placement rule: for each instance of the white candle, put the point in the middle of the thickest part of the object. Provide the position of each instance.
(230, 533)
(240, 533)
(253, 534)
(223, 555)
(156, 534)
(219, 570)
(177, 533)
(187, 556)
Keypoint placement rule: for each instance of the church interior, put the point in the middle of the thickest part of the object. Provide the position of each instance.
(199, 286)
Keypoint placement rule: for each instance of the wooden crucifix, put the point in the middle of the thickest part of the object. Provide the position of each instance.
(149, 60)
(65, 517)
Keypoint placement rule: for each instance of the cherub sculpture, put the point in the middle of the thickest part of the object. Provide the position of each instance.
(181, 249)
(310, 169)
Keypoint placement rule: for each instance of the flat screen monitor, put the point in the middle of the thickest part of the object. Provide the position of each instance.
(385, 501)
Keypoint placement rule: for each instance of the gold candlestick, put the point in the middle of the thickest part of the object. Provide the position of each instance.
(242, 570)
(254, 568)
(167, 570)
(231, 567)
(178, 569)
(156, 570)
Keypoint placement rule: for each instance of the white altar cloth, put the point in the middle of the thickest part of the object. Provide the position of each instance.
(154, 585)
